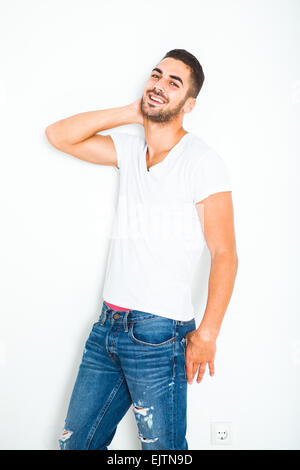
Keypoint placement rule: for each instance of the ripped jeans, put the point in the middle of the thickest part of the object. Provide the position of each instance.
(130, 358)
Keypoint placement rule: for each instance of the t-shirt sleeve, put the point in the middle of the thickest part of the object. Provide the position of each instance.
(210, 176)
(124, 144)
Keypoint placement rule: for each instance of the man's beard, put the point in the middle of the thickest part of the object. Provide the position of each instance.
(160, 114)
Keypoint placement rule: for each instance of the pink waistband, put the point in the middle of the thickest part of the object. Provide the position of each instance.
(116, 307)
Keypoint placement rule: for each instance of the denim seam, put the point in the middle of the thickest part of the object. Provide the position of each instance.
(144, 319)
(103, 411)
(174, 352)
(173, 397)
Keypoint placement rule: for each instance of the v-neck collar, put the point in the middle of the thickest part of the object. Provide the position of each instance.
(159, 166)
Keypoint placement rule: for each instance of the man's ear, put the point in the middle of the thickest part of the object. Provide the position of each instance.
(189, 104)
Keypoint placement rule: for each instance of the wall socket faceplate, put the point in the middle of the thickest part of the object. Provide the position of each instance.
(221, 433)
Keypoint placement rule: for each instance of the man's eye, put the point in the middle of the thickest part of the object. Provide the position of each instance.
(154, 75)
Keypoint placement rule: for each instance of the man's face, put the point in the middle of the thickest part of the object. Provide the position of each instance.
(169, 81)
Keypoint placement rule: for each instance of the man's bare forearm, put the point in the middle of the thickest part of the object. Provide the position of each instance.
(221, 282)
(76, 128)
(201, 345)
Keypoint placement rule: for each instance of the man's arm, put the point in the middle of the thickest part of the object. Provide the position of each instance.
(217, 220)
(77, 135)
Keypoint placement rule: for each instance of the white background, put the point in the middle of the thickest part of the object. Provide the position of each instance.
(60, 58)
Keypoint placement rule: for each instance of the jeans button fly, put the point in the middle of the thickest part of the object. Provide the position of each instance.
(116, 316)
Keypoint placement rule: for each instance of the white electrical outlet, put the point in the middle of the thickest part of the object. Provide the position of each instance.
(221, 433)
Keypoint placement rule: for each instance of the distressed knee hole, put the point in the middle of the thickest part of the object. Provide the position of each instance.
(140, 410)
(145, 439)
(64, 438)
(144, 415)
(66, 435)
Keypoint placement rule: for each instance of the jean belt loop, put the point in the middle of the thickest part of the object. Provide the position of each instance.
(103, 317)
(125, 324)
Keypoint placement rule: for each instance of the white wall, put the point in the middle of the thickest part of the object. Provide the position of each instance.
(59, 58)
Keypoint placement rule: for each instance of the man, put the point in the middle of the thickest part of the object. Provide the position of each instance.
(174, 196)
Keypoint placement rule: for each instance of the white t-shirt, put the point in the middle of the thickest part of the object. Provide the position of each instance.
(157, 238)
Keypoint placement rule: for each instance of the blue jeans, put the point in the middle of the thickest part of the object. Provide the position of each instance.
(130, 358)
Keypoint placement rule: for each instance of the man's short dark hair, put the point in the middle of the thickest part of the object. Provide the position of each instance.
(197, 75)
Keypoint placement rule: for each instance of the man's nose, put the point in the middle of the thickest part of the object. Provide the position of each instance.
(159, 90)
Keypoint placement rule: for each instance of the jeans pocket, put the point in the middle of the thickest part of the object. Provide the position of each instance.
(153, 331)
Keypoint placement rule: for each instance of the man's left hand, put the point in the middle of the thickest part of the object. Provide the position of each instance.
(200, 351)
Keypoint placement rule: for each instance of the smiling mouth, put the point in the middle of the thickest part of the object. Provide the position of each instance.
(154, 101)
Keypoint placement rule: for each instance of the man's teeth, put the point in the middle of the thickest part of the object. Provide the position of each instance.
(156, 99)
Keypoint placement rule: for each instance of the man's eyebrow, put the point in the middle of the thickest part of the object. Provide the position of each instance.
(172, 76)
